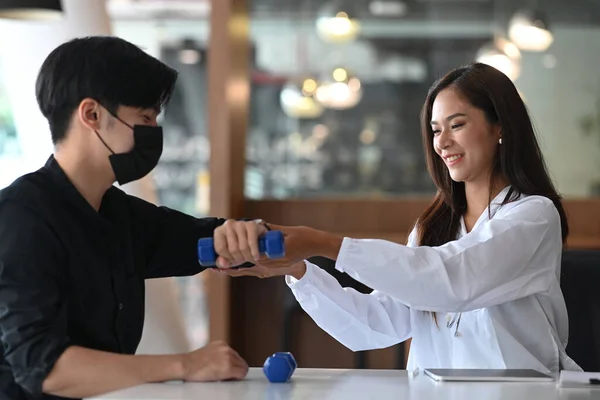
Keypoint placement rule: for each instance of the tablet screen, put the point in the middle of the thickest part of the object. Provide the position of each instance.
(487, 374)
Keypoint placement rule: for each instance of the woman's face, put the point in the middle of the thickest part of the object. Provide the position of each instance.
(463, 138)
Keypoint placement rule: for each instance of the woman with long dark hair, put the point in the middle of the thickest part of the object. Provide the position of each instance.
(477, 285)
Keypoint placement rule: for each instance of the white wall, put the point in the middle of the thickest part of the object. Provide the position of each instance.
(23, 49)
(558, 98)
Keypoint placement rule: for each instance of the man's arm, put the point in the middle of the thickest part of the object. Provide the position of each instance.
(33, 313)
(81, 372)
(171, 238)
(33, 325)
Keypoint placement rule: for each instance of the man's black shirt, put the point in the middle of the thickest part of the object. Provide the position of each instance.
(70, 275)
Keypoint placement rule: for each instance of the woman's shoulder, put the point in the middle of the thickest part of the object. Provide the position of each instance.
(529, 207)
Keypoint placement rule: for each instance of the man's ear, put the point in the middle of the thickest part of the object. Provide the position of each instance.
(89, 113)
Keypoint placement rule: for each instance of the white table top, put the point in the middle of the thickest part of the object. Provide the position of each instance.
(334, 384)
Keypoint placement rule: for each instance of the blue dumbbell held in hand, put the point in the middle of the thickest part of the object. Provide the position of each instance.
(279, 367)
(272, 244)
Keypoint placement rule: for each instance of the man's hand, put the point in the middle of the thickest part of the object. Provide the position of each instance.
(214, 362)
(236, 242)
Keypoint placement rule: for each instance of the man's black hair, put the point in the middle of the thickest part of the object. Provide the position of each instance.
(108, 69)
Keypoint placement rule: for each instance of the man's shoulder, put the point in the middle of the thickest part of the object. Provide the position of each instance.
(28, 191)
(28, 212)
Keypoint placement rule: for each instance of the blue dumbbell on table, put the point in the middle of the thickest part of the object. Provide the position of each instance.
(272, 244)
(279, 367)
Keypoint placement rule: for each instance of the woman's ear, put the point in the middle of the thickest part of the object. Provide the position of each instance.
(498, 132)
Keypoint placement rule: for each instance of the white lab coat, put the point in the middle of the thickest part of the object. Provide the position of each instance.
(501, 279)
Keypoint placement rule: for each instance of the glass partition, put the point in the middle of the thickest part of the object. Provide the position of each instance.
(338, 87)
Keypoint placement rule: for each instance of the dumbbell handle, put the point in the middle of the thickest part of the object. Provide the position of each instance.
(272, 244)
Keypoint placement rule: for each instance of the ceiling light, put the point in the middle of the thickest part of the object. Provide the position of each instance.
(297, 100)
(529, 31)
(337, 23)
(31, 9)
(502, 55)
(339, 91)
(190, 52)
(388, 8)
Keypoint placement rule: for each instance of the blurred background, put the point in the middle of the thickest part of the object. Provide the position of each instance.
(307, 112)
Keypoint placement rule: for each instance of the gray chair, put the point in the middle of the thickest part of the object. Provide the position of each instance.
(580, 284)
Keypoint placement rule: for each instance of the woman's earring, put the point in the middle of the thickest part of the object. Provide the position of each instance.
(500, 141)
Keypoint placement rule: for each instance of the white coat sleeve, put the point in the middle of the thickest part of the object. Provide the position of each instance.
(356, 320)
(511, 256)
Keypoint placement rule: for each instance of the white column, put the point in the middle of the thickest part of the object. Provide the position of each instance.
(24, 47)
(164, 326)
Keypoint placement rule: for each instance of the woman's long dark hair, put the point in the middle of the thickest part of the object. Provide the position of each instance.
(519, 158)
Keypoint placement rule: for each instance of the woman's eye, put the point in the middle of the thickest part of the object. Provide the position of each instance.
(435, 131)
(456, 126)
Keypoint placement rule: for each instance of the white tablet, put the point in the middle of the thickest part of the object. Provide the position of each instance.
(488, 375)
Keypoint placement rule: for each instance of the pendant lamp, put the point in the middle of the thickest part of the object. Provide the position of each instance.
(337, 22)
(529, 30)
(30, 9)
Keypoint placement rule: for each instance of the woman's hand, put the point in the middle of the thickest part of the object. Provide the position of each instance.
(300, 243)
(261, 271)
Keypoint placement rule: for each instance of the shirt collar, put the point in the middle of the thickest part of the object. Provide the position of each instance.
(488, 213)
(70, 193)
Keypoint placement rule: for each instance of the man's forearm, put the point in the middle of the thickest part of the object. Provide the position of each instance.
(81, 372)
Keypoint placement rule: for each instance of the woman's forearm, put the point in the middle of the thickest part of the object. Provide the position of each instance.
(322, 244)
(327, 245)
(298, 270)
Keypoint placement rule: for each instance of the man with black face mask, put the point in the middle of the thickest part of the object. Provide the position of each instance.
(75, 250)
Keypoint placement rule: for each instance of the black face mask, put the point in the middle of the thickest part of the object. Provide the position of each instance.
(147, 149)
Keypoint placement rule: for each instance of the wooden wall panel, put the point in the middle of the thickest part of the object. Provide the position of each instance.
(584, 217)
(392, 219)
(342, 215)
(228, 107)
